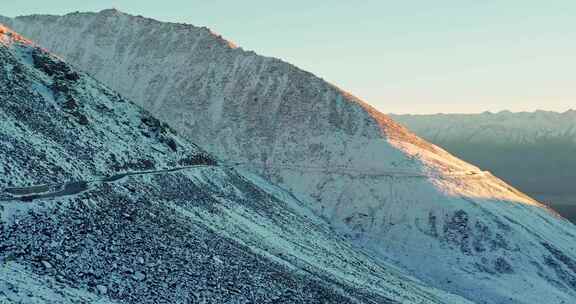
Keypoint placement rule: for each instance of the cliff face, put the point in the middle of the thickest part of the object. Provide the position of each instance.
(405, 200)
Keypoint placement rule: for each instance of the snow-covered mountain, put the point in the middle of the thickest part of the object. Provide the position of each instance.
(500, 128)
(405, 200)
(532, 150)
(102, 203)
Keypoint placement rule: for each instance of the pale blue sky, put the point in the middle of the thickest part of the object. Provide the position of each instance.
(401, 56)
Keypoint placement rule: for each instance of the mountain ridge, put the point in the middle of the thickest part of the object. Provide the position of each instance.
(142, 233)
(528, 125)
(448, 221)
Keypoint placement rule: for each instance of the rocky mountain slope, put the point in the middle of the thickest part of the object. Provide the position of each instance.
(532, 150)
(406, 201)
(102, 203)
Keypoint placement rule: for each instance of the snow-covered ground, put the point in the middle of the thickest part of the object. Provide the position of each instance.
(446, 222)
(205, 234)
(18, 284)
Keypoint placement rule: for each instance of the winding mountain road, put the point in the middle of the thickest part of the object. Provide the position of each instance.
(49, 191)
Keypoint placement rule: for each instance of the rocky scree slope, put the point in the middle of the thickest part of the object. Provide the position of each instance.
(206, 234)
(405, 200)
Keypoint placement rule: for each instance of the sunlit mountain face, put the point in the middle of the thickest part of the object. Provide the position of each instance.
(396, 197)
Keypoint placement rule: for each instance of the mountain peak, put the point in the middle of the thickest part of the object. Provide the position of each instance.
(110, 11)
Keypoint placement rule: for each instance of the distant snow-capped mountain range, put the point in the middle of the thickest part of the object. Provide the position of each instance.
(404, 200)
(501, 127)
(532, 150)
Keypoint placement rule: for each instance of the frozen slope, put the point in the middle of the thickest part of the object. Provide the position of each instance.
(74, 228)
(407, 201)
